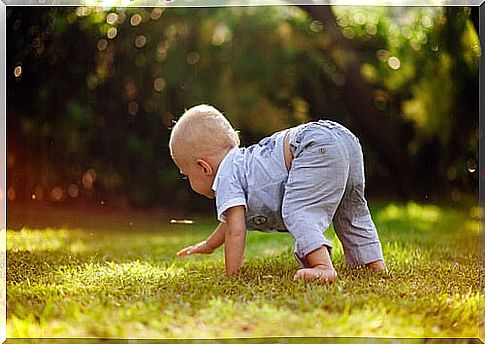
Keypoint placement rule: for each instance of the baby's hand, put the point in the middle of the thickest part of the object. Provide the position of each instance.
(201, 247)
(319, 273)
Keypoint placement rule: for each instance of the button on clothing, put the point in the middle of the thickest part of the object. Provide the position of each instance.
(324, 184)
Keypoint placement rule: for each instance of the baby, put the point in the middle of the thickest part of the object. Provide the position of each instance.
(297, 180)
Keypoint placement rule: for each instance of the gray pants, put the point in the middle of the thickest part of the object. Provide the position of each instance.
(326, 184)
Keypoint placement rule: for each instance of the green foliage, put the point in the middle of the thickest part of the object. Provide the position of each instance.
(99, 89)
(118, 276)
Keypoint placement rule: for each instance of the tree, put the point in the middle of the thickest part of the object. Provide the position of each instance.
(92, 93)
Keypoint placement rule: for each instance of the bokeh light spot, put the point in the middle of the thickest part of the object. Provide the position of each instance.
(140, 41)
(130, 88)
(221, 34)
(359, 18)
(73, 190)
(371, 29)
(112, 18)
(415, 45)
(11, 194)
(17, 24)
(348, 33)
(159, 84)
(471, 165)
(133, 108)
(394, 62)
(89, 178)
(102, 44)
(135, 19)
(36, 42)
(83, 11)
(17, 71)
(382, 55)
(338, 79)
(193, 57)
(380, 100)
(57, 194)
(316, 26)
(161, 53)
(121, 18)
(38, 193)
(92, 81)
(112, 32)
(156, 13)
(427, 22)
(343, 21)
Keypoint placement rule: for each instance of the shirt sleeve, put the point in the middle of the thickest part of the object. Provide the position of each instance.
(228, 193)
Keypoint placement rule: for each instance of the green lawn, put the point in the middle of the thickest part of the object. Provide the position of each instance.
(118, 276)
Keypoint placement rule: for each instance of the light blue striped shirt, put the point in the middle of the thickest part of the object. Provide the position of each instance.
(254, 177)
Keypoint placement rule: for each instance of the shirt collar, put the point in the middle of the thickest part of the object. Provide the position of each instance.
(223, 162)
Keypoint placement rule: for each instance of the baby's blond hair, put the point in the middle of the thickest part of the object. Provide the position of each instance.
(202, 131)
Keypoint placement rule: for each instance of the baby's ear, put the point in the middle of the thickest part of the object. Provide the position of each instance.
(205, 166)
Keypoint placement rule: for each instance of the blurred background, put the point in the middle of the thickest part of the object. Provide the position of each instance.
(93, 92)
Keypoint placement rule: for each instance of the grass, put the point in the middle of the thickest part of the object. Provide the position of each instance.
(107, 276)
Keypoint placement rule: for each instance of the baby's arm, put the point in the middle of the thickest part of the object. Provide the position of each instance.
(321, 267)
(214, 240)
(235, 237)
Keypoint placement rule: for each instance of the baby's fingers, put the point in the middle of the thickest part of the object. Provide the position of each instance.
(185, 251)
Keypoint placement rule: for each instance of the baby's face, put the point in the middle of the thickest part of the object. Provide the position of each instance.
(199, 181)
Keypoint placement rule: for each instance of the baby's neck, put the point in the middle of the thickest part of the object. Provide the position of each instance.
(216, 159)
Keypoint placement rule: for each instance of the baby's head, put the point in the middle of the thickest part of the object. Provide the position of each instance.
(199, 141)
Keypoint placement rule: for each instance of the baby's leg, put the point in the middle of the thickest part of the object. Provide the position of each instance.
(353, 223)
(315, 186)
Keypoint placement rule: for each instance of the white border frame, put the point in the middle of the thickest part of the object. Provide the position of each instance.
(180, 3)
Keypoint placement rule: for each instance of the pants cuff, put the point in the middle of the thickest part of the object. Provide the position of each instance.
(361, 255)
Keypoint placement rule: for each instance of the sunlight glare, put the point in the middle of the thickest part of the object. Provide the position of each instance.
(38, 239)
(411, 211)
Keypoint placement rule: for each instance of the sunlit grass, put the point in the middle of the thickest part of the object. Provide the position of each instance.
(102, 280)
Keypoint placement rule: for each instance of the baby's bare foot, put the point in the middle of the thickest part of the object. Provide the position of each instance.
(320, 273)
(378, 265)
